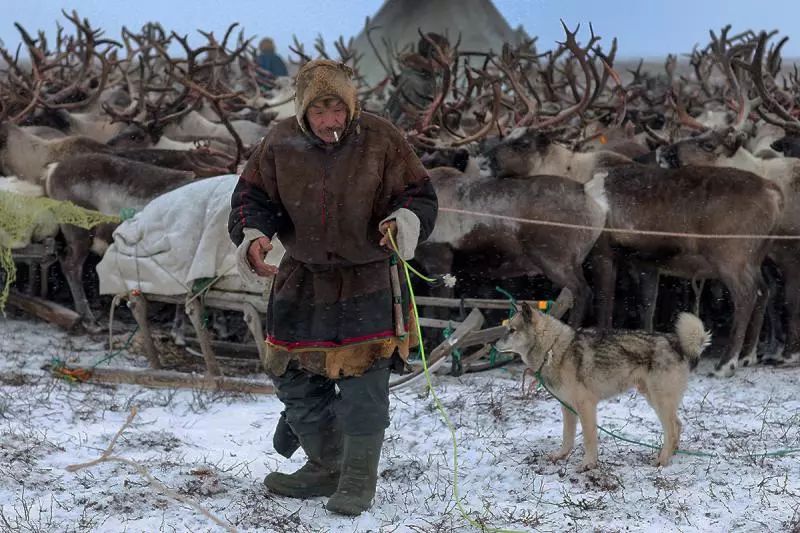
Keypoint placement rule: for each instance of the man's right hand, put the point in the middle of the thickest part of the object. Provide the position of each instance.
(256, 254)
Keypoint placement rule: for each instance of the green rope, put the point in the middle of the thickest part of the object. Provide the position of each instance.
(456, 368)
(512, 308)
(127, 213)
(778, 453)
(416, 272)
(202, 284)
(114, 354)
(439, 406)
(58, 366)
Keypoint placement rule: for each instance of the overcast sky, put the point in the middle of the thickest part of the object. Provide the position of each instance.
(650, 28)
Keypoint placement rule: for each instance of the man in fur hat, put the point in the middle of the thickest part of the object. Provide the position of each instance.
(331, 182)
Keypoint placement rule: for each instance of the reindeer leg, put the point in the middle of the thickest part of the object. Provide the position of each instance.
(697, 289)
(573, 279)
(138, 306)
(605, 275)
(253, 320)
(648, 292)
(750, 345)
(177, 332)
(195, 310)
(78, 244)
(743, 284)
(791, 274)
(219, 322)
(772, 314)
(772, 318)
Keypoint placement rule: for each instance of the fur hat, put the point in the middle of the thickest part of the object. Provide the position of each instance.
(324, 77)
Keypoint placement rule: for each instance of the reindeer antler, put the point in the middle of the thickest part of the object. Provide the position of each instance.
(581, 55)
(756, 69)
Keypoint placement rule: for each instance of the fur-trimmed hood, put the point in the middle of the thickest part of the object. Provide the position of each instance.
(324, 77)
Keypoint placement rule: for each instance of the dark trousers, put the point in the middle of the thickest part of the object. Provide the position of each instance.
(360, 407)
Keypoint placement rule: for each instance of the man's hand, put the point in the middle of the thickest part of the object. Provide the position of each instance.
(256, 254)
(385, 228)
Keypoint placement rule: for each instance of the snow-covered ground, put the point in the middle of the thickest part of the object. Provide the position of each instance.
(216, 449)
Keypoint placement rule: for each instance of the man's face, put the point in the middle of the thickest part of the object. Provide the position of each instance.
(326, 116)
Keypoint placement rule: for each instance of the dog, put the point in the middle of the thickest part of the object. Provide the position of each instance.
(585, 366)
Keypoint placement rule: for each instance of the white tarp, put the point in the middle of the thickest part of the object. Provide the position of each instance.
(179, 237)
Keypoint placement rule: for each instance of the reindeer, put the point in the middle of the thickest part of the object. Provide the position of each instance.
(505, 248)
(509, 248)
(195, 126)
(724, 148)
(160, 90)
(108, 184)
(683, 200)
(27, 156)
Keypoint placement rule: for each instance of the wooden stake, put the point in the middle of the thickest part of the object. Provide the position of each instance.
(45, 309)
(170, 379)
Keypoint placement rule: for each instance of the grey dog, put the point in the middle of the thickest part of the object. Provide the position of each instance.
(585, 366)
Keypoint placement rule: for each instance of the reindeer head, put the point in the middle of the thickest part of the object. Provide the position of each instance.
(136, 135)
(523, 153)
(457, 158)
(704, 149)
(789, 145)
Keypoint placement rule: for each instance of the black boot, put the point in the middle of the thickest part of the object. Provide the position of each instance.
(284, 439)
(359, 475)
(320, 475)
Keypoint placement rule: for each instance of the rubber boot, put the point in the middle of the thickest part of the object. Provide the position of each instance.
(284, 439)
(320, 475)
(359, 475)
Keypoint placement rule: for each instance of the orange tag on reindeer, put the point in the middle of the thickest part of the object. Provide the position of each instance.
(603, 139)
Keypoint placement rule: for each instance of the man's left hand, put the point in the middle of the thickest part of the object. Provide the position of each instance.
(391, 225)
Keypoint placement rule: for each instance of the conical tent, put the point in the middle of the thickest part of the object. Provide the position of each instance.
(479, 23)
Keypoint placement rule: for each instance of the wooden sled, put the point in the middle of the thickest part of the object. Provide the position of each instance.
(466, 334)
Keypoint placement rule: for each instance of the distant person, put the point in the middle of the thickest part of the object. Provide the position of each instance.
(416, 84)
(269, 60)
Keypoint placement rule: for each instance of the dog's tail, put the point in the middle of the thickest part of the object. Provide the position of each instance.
(692, 337)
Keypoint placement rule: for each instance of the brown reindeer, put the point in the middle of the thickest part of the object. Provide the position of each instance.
(510, 248)
(703, 201)
(681, 200)
(724, 148)
(27, 156)
(108, 184)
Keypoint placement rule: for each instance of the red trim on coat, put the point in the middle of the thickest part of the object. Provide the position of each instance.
(330, 344)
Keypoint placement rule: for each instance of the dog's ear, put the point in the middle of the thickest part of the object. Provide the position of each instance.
(527, 312)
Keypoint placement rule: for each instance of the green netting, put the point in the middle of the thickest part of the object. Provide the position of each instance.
(25, 219)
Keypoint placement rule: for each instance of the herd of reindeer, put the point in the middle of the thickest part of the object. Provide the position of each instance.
(684, 156)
